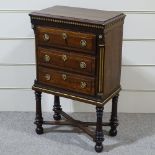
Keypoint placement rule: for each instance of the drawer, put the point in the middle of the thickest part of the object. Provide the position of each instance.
(66, 60)
(66, 39)
(65, 80)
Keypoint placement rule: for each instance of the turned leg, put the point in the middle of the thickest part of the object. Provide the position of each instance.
(99, 137)
(38, 119)
(114, 121)
(56, 107)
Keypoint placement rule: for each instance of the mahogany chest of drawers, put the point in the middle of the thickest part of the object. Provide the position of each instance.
(78, 56)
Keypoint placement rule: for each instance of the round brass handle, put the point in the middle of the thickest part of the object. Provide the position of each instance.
(83, 65)
(46, 37)
(83, 84)
(64, 36)
(47, 58)
(64, 76)
(64, 57)
(47, 77)
(83, 43)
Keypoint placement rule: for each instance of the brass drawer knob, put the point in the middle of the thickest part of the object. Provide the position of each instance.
(83, 65)
(64, 36)
(83, 84)
(83, 43)
(47, 58)
(64, 77)
(64, 57)
(46, 37)
(47, 77)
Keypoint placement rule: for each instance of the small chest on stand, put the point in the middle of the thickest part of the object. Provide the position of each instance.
(78, 56)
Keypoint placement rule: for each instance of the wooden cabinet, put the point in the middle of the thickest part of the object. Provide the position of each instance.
(78, 56)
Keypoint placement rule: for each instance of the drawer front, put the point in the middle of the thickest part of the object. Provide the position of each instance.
(66, 60)
(65, 38)
(60, 79)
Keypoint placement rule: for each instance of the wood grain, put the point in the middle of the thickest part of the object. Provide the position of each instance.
(72, 41)
(72, 81)
(67, 60)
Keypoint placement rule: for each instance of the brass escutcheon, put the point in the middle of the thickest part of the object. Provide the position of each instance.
(83, 43)
(64, 57)
(83, 84)
(64, 77)
(47, 58)
(83, 65)
(47, 77)
(46, 37)
(64, 36)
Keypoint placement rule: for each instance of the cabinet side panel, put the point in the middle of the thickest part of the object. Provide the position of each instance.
(113, 56)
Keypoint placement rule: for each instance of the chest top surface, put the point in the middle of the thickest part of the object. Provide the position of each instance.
(91, 16)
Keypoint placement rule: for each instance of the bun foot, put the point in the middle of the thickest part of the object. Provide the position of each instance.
(98, 147)
(113, 132)
(57, 117)
(39, 131)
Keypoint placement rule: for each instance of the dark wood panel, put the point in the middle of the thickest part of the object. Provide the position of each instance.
(61, 79)
(64, 38)
(67, 60)
(112, 60)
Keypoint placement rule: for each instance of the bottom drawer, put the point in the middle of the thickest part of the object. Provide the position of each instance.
(65, 80)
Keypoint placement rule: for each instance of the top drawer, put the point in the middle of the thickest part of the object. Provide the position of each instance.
(66, 39)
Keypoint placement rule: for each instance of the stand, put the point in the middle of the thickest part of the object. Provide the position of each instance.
(98, 135)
